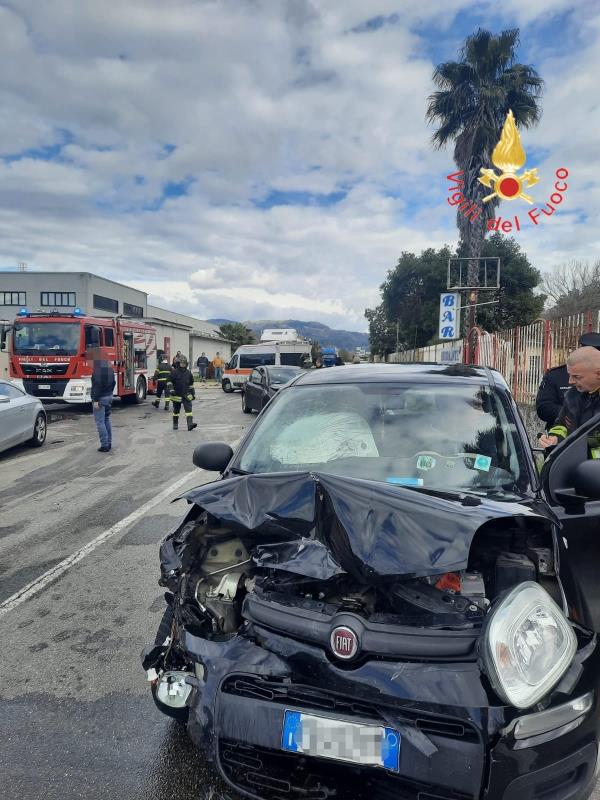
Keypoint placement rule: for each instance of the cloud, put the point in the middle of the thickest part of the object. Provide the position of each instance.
(262, 159)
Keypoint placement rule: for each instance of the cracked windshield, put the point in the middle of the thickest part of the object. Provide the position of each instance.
(455, 438)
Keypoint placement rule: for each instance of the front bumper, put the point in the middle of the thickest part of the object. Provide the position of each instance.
(457, 744)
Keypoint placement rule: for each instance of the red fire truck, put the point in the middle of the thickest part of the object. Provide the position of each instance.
(50, 354)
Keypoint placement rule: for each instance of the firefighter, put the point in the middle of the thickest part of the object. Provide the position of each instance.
(554, 387)
(162, 374)
(181, 389)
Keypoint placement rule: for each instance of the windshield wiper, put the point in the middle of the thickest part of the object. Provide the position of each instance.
(464, 498)
(238, 471)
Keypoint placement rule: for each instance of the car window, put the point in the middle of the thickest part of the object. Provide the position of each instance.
(447, 437)
(280, 375)
(255, 376)
(12, 392)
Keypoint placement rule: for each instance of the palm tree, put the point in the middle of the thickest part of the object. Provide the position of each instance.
(474, 97)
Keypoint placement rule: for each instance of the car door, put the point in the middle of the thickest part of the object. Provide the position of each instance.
(253, 390)
(14, 417)
(265, 395)
(571, 481)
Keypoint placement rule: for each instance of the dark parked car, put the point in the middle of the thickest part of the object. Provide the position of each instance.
(380, 598)
(263, 384)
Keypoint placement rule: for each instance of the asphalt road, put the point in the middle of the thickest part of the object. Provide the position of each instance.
(76, 716)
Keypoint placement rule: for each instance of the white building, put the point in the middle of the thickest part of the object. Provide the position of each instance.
(100, 297)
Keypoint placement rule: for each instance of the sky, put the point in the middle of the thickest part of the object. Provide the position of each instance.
(260, 159)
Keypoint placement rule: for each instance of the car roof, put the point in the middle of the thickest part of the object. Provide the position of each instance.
(399, 373)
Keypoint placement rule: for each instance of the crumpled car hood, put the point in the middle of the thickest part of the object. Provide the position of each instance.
(369, 529)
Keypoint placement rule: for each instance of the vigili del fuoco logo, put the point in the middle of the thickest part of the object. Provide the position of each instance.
(508, 157)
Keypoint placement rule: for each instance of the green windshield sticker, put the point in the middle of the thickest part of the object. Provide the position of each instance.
(425, 462)
(483, 463)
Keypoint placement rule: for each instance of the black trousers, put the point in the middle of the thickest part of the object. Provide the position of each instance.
(160, 388)
(187, 407)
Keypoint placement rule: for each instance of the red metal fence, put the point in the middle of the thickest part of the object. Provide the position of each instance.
(522, 354)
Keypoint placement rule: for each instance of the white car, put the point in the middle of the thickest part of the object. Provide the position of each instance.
(22, 417)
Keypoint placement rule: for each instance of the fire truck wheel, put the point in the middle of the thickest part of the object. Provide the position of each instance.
(140, 390)
(39, 430)
(226, 386)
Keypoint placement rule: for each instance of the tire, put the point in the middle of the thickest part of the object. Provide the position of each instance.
(140, 391)
(164, 629)
(245, 407)
(226, 386)
(40, 429)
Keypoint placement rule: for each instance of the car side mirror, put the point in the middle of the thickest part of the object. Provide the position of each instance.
(212, 456)
(586, 479)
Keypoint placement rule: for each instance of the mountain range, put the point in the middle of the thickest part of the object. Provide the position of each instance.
(315, 331)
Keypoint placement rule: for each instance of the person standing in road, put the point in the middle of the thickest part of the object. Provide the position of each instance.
(181, 389)
(162, 373)
(555, 385)
(176, 358)
(582, 401)
(218, 364)
(202, 364)
(103, 384)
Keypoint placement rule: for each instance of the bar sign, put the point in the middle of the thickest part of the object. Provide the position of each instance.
(449, 327)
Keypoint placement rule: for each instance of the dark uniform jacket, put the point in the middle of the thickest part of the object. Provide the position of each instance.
(579, 407)
(180, 382)
(163, 371)
(551, 394)
(202, 361)
(103, 380)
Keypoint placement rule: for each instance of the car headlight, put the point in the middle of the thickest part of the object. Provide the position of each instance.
(528, 645)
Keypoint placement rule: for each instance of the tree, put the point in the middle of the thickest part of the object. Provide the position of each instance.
(410, 296)
(572, 288)
(344, 354)
(473, 98)
(382, 333)
(239, 333)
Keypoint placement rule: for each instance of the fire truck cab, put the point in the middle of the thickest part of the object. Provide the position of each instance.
(51, 354)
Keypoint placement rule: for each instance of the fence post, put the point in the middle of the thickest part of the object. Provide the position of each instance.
(547, 345)
(516, 355)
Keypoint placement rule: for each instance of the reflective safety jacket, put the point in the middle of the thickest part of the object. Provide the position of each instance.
(579, 407)
(181, 384)
(163, 372)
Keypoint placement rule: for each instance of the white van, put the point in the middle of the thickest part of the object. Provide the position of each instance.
(295, 353)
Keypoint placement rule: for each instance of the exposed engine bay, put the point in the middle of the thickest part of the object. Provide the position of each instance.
(224, 567)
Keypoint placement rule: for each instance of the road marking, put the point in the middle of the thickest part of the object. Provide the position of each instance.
(55, 572)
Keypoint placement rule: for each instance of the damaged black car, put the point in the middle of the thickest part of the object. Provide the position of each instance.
(380, 597)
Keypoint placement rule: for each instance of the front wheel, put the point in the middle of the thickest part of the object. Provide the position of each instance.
(226, 386)
(39, 430)
(245, 407)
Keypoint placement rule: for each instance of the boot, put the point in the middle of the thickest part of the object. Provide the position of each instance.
(166, 406)
(175, 423)
(191, 424)
(156, 403)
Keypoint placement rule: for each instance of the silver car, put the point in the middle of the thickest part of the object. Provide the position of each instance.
(22, 417)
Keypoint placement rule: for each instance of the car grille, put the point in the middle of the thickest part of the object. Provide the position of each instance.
(57, 388)
(43, 372)
(275, 775)
(310, 697)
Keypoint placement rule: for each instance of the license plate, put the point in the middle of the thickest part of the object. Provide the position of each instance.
(44, 386)
(370, 745)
